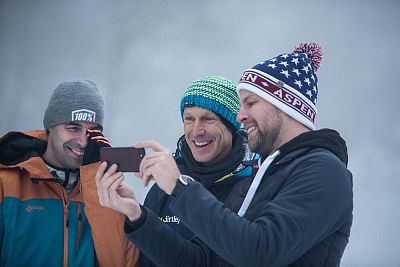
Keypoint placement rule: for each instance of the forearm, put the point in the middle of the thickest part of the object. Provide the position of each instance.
(220, 228)
(163, 246)
(281, 229)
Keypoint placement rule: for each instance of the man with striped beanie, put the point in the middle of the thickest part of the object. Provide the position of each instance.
(215, 94)
(297, 211)
(212, 152)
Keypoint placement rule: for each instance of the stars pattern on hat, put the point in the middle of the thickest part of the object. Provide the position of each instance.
(294, 70)
(288, 81)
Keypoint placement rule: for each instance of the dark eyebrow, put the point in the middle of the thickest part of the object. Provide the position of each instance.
(208, 113)
(71, 123)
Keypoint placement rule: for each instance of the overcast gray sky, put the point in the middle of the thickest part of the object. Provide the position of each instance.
(143, 54)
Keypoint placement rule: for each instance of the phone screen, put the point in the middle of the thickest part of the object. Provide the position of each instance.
(127, 158)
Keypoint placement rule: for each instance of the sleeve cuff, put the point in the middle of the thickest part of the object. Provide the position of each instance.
(131, 226)
(177, 189)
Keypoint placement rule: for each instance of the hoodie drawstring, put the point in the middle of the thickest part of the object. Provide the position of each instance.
(256, 182)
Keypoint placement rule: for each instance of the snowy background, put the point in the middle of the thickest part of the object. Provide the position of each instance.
(143, 54)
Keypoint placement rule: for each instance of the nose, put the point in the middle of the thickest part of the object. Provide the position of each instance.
(82, 139)
(242, 115)
(198, 128)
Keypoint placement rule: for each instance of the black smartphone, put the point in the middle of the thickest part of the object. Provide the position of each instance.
(127, 158)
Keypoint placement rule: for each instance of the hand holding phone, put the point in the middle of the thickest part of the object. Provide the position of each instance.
(127, 158)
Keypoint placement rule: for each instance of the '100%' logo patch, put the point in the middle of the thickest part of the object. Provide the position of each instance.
(84, 115)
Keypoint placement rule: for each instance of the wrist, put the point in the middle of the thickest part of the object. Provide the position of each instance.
(171, 187)
(131, 226)
(134, 213)
(181, 183)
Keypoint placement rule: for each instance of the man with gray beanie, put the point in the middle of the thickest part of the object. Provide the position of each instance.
(50, 213)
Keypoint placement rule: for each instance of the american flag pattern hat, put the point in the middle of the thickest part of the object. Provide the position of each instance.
(288, 81)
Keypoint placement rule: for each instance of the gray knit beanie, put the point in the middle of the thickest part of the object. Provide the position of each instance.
(75, 100)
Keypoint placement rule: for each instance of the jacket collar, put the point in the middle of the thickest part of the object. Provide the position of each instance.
(23, 150)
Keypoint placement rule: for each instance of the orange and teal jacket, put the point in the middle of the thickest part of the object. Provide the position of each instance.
(41, 225)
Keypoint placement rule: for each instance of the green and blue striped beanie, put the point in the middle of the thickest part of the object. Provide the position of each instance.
(214, 93)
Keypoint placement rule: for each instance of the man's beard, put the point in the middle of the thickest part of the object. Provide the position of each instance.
(266, 140)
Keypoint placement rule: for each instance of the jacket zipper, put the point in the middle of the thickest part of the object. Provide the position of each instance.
(78, 207)
(66, 222)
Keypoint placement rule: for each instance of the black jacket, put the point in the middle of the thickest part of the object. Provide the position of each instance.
(169, 243)
(301, 214)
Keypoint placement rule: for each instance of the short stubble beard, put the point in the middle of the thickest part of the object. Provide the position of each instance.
(268, 138)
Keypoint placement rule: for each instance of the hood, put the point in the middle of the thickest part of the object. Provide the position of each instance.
(325, 138)
(16, 147)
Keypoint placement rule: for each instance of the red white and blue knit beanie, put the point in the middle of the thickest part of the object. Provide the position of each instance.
(214, 93)
(289, 82)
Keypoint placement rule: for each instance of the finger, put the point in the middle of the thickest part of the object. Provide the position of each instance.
(143, 164)
(102, 140)
(105, 187)
(150, 174)
(151, 144)
(100, 172)
(154, 168)
(141, 177)
(114, 196)
(115, 184)
(146, 179)
(157, 154)
(110, 171)
(147, 175)
(94, 130)
(131, 190)
(153, 158)
(105, 175)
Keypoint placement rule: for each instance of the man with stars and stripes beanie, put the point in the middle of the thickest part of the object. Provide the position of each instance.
(214, 93)
(289, 82)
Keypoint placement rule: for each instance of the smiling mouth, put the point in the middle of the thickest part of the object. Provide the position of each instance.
(77, 152)
(251, 129)
(201, 144)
